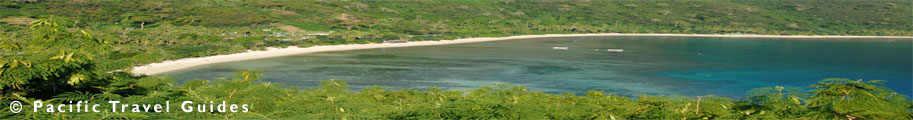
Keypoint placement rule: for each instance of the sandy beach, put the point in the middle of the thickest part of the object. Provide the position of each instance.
(171, 65)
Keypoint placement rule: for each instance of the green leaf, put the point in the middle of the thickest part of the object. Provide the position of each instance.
(62, 54)
(76, 78)
(69, 58)
(26, 63)
(86, 34)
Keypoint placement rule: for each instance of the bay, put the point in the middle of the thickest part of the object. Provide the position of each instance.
(728, 67)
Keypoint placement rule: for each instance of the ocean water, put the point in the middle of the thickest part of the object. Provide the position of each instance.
(689, 66)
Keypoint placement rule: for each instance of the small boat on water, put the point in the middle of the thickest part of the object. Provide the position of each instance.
(559, 48)
(615, 50)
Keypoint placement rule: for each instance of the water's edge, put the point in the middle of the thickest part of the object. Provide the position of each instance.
(649, 65)
(172, 65)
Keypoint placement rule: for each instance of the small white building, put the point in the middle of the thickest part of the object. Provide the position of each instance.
(395, 41)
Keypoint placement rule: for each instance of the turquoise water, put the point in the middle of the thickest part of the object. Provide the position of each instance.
(649, 65)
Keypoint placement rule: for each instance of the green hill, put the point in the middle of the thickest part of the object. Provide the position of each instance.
(502, 17)
(55, 52)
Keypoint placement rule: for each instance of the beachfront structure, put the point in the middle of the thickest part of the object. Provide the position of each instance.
(396, 41)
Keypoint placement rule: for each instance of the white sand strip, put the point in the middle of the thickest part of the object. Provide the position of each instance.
(171, 65)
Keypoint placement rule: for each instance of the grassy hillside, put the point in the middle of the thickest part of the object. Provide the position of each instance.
(500, 17)
(62, 51)
(151, 31)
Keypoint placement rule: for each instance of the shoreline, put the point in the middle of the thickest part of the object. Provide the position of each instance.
(172, 65)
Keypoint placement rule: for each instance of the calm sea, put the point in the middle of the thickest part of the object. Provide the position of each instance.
(690, 66)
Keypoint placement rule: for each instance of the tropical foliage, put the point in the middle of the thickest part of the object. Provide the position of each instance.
(76, 50)
(332, 100)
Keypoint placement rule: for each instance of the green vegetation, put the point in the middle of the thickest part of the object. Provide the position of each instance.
(331, 100)
(62, 51)
(152, 31)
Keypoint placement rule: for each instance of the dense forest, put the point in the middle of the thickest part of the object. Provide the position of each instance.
(62, 51)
